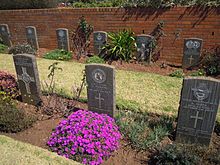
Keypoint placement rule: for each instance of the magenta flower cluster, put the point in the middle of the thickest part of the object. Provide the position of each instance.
(86, 137)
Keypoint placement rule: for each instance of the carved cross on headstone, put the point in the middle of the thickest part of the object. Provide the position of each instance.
(198, 109)
(31, 34)
(26, 79)
(190, 59)
(101, 88)
(196, 118)
(62, 43)
(191, 51)
(100, 39)
(63, 39)
(144, 48)
(32, 42)
(100, 48)
(100, 100)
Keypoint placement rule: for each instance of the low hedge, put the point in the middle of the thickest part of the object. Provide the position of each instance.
(27, 4)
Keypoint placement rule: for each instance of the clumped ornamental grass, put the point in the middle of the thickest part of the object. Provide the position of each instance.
(143, 130)
(86, 137)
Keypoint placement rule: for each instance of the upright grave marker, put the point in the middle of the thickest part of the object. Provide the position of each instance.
(28, 79)
(100, 39)
(31, 35)
(144, 47)
(101, 88)
(5, 34)
(191, 51)
(199, 104)
(63, 39)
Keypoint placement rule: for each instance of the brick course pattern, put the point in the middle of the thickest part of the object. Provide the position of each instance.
(179, 23)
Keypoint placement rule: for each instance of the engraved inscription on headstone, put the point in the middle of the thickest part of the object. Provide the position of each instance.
(101, 88)
(28, 79)
(5, 34)
(63, 39)
(31, 35)
(191, 51)
(144, 47)
(100, 39)
(199, 104)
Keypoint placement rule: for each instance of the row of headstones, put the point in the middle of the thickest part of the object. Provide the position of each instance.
(200, 97)
(32, 39)
(191, 53)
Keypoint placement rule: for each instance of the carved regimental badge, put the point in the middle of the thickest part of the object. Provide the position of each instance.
(99, 76)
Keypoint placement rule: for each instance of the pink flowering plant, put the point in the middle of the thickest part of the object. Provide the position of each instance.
(86, 137)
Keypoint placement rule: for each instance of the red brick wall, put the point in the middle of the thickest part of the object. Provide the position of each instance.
(191, 22)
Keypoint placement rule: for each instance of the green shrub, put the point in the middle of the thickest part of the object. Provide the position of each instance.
(92, 4)
(11, 118)
(95, 59)
(210, 62)
(8, 84)
(3, 48)
(186, 155)
(21, 48)
(199, 72)
(169, 3)
(177, 73)
(27, 4)
(173, 154)
(120, 46)
(58, 55)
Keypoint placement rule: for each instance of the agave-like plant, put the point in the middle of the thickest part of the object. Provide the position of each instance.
(120, 46)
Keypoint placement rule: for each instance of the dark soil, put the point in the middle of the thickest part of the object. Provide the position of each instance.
(42, 129)
(158, 67)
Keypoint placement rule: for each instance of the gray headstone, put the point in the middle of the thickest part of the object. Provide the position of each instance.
(28, 79)
(5, 34)
(191, 51)
(63, 39)
(144, 47)
(100, 39)
(200, 98)
(101, 88)
(31, 35)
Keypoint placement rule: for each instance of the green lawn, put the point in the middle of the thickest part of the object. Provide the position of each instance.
(154, 93)
(19, 153)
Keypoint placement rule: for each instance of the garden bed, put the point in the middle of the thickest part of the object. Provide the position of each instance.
(39, 134)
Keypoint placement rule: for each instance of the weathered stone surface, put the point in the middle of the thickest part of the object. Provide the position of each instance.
(199, 104)
(144, 47)
(31, 35)
(101, 88)
(63, 39)
(191, 51)
(100, 39)
(28, 79)
(5, 34)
